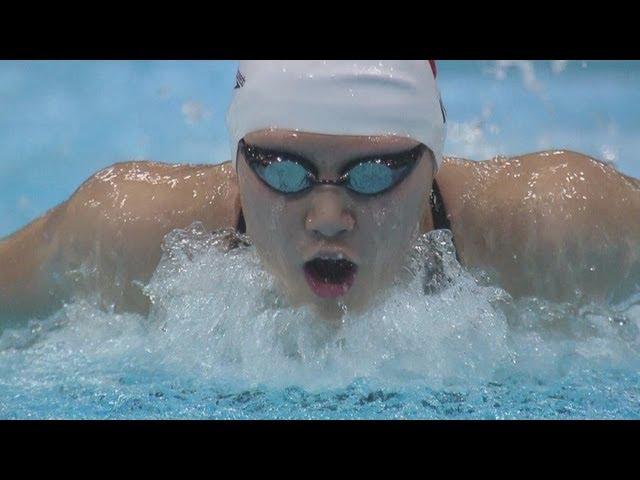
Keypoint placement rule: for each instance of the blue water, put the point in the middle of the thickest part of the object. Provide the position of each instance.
(211, 351)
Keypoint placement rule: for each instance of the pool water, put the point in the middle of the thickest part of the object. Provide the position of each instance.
(444, 343)
(213, 350)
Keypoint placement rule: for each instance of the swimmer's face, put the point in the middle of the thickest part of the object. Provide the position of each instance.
(301, 237)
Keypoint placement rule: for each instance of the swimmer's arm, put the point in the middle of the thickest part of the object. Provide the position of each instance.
(24, 288)
(559, 225)
(106, 239)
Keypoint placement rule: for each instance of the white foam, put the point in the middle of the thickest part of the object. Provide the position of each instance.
(218, 316)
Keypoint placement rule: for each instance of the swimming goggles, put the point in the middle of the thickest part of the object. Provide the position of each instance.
(289, 173)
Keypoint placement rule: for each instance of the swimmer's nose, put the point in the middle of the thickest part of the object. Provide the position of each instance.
(328, 216)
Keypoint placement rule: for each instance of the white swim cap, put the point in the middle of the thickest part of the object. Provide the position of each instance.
(339, 97)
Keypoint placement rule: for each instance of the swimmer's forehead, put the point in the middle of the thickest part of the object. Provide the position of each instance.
(315, 145)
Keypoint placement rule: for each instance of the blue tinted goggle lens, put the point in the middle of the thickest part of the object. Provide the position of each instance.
(288, 173)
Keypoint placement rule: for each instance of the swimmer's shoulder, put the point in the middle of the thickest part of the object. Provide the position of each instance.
(523, 181)
(554, 180)
(112, 227)
(525, 216)
(167, 195)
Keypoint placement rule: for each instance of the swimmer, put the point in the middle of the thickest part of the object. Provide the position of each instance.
(336, 167)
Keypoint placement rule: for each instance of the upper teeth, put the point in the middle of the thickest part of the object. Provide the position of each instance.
(338, 256)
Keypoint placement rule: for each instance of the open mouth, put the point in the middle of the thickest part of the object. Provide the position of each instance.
(330, 278)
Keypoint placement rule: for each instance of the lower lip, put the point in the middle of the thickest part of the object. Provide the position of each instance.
(329, 290)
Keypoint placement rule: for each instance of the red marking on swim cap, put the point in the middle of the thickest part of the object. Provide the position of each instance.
(434, 69)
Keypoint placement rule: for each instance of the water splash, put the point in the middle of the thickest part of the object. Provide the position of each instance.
(217, 300)
(220, 331)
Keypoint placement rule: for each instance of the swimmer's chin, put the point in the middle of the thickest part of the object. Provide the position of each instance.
(332, 313)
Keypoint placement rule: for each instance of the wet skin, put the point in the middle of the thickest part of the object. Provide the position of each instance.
(371, 231)
(545, 224)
